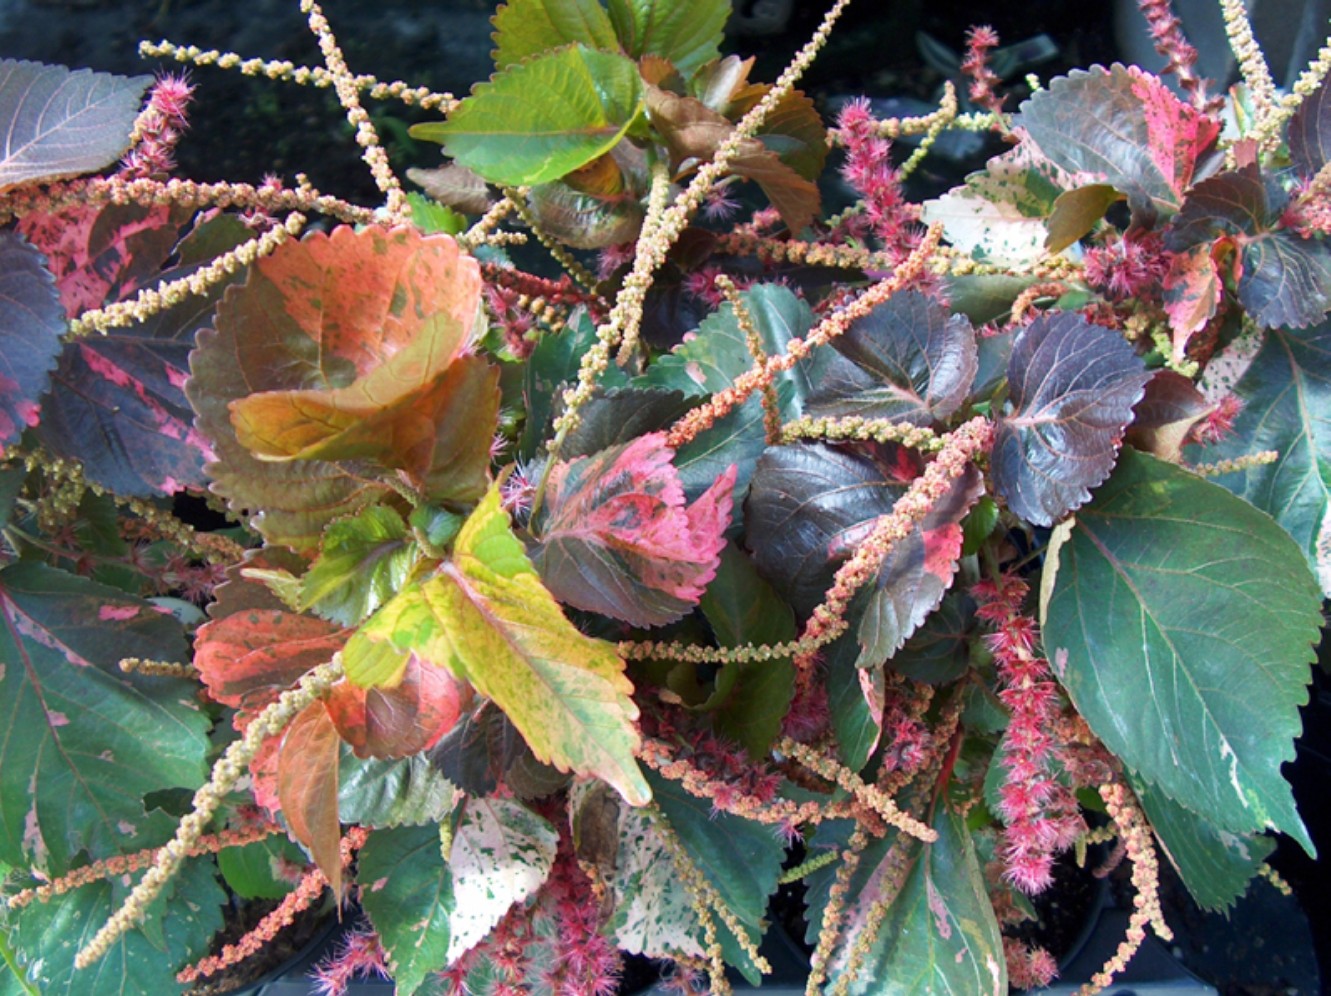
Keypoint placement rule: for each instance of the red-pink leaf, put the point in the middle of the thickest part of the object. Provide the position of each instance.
(248, 659)
(618, 539)
(1193, 290)
(1124, 125)
(402, 720)
(307, 766)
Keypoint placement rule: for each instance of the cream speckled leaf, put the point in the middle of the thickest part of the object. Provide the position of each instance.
(502, 853)
(653, 913)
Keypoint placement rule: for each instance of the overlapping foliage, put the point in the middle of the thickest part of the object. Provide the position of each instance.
(559, 638)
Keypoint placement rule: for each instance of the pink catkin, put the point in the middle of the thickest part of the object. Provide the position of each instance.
(975, 65)
(1040, 812)
(868, 168)
(361, 955)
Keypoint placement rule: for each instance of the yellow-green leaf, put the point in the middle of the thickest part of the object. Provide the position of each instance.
(486, 616)
(542, 118)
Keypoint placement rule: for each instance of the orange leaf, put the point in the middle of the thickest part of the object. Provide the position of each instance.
(307, 787)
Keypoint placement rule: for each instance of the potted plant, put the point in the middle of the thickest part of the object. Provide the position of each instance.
(544, 623)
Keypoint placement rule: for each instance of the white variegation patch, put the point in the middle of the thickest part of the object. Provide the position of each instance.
(502, 853)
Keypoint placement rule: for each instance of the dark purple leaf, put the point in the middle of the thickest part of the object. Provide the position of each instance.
(808, 508)
(1239, 202)
(1124, 125)
(59, 122)
(1161, 420)
(1284, 280)
(117, 403)
(921, 363)
(1309, 133)
(476, 752)
(618, 539)
(1072, 386)
(916, 574)
(801, 500)
(31, 323)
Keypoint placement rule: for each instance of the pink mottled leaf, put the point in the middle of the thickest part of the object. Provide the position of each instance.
(117, 403)
(103, 252)
(1126, 126)
(1193, 292)
(1072, 386)
(30, 328)
(618, 538)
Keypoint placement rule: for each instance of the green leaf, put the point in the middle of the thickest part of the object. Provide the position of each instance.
(552, 364)
(251, 872)
(1286, 392)
(390, 793)
(84, 744)
(740, 858)
(857, 731)
(714, 358)
(364, 560)
(687, 34)
(751, 698)
(47, 936)
(535, 122)
(502, 853)
(525, 28)
(407, 892)
(1215, 866)
(486, 616)
(1181, 622)
(939, 933)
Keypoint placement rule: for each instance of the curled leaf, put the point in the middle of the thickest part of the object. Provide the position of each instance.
(307, 787)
